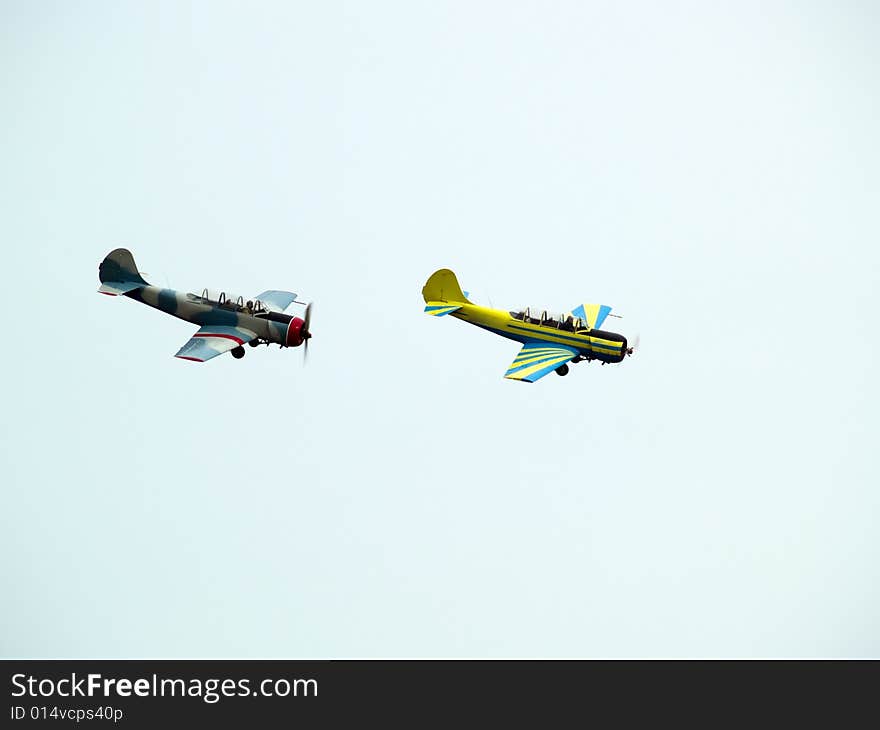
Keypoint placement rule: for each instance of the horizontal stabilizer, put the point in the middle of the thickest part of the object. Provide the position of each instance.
(117, 288)
(593, 314)
(439, 309)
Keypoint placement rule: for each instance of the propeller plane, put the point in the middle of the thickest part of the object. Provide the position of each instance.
(225, 324)
(549, 342)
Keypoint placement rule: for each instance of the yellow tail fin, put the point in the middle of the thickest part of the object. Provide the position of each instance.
(442, 286)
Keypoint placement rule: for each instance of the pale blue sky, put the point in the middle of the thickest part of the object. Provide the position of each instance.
(712, 170)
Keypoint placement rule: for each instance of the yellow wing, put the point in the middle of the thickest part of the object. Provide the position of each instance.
(536, 359)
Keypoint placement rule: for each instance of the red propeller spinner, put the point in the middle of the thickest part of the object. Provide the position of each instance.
(298, 331)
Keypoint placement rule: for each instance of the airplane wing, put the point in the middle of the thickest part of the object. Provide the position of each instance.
(213, 340)
(593, 314)
(276, 301)
(536, 359)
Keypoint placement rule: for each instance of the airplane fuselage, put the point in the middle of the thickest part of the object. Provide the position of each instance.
(269, 326)
(591, 344)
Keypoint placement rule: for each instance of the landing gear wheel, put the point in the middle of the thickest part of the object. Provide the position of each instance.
(254, 343)
(562, 370)
(237, 352)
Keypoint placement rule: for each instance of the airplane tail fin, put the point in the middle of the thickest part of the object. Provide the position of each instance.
(442, 287)
(442, 294)
(118, 273)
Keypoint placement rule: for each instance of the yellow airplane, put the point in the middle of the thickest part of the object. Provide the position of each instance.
(549, 342)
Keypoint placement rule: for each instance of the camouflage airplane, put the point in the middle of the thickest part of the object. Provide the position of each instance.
(225, 324)
(549, 342)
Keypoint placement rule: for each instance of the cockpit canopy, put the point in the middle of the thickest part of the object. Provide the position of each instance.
(232, 302)
(567, 322)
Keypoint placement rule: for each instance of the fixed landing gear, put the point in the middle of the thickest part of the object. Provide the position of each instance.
(256, 342)
(237, 352)
(562, 370)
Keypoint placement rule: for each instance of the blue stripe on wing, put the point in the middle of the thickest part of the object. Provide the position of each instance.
(593, 314)
(536, 359)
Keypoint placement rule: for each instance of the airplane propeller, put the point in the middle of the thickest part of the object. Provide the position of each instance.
(305, 333)
(634, 346)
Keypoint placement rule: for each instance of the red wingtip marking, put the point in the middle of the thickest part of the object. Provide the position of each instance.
(108, 293)
(184, 357)
(217, 334)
